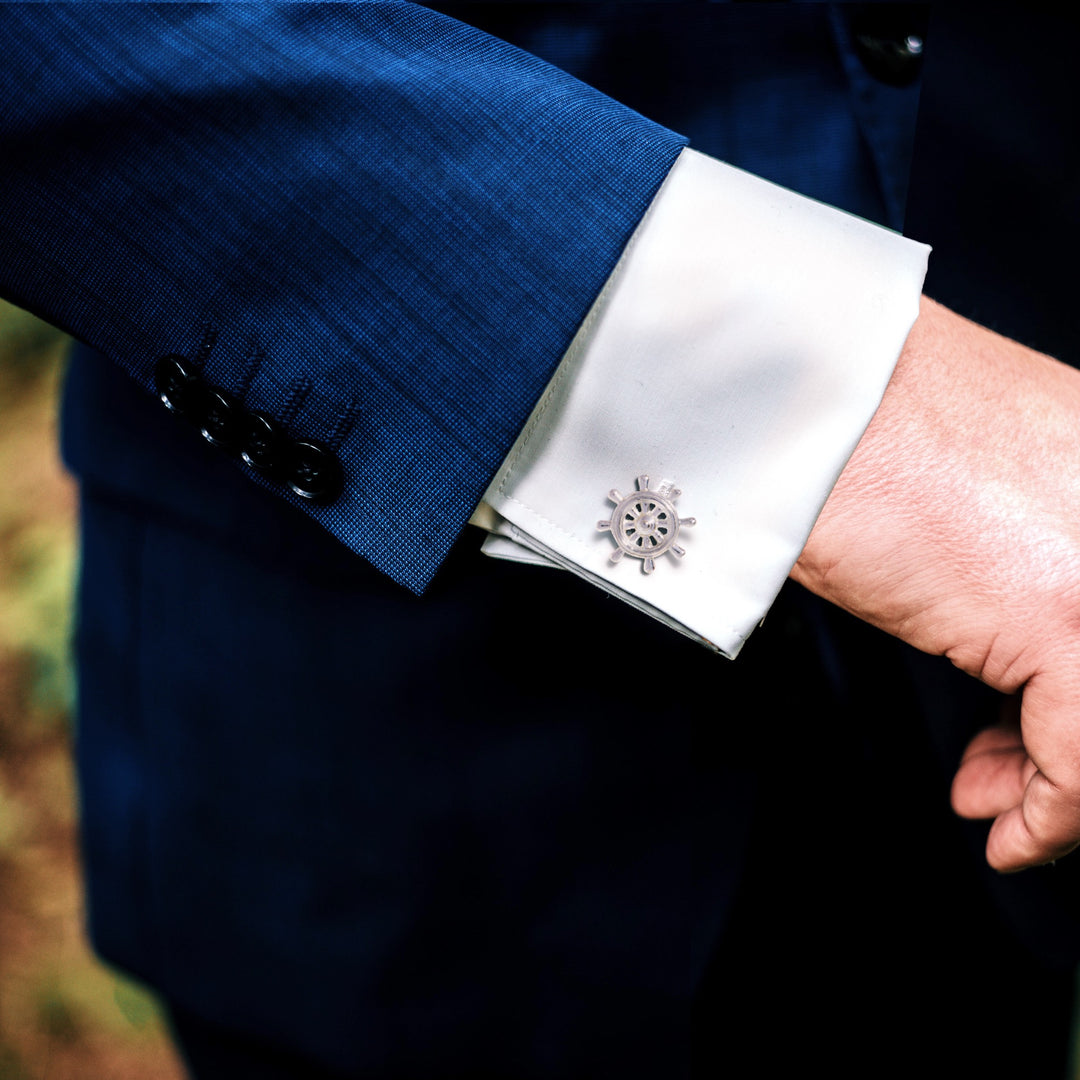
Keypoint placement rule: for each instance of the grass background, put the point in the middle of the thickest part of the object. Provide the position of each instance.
(63, 1014)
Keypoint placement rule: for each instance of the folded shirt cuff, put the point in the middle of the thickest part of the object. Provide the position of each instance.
(686, 444)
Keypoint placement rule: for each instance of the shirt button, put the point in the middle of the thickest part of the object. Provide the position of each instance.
(888, 45)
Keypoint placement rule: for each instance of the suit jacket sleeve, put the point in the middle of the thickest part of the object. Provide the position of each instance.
(369, 224)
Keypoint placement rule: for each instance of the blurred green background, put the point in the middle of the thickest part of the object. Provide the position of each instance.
(63, 1015)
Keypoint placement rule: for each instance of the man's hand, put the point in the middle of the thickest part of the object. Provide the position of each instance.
(956, 527)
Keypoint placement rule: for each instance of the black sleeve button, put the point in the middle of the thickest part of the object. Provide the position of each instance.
(179, 386)
(262, 444)
(222, 420)
(313, 472)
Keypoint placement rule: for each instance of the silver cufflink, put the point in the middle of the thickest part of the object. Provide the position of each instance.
(645, 524)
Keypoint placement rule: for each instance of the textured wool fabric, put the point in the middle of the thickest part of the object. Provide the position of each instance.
(390, 224)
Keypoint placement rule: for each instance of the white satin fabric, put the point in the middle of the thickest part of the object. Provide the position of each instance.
(738, 351)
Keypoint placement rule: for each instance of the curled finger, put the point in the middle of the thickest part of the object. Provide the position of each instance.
(993, 775)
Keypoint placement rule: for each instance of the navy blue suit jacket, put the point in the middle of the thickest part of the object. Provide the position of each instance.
(419, 837)
(390, 224)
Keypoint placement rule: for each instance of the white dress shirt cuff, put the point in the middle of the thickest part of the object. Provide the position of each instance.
(736, 355)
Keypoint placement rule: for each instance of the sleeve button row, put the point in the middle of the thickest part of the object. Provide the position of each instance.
(303, 465)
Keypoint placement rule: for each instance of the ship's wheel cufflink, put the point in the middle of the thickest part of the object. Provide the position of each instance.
(645, 524)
